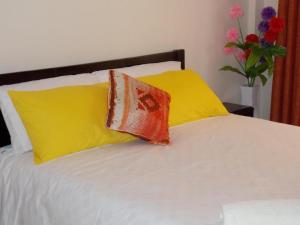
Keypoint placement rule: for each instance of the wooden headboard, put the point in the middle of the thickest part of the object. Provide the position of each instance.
(19, 77)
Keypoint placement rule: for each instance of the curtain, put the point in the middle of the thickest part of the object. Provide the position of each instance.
(286, 84)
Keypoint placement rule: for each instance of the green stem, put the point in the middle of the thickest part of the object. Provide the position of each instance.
(252, 81)
(243, 68)
(241, 32)
(248, 81)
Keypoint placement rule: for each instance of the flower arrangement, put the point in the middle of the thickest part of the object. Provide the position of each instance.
(256, 52)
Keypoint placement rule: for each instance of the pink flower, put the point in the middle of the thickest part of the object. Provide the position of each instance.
(241, 56)
(236, 11)
(232, 34)
(229, 51)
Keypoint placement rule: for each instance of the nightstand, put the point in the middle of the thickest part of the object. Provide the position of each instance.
(241, 110)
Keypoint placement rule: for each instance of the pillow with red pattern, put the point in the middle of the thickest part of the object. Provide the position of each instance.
(138, 108)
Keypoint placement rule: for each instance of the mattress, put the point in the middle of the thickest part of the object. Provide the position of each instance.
(209, 163)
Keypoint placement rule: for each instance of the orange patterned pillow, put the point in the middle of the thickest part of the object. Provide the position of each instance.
(138, 108)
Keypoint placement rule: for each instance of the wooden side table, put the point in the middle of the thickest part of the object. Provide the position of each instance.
(241, 110)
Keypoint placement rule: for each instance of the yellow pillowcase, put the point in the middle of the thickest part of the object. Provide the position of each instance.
(69, 119)
(65, 120)
(191, 97)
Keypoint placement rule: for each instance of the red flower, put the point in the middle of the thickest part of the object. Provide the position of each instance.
(248, 52)
(276, 25)
(252, 38)
(270, 36)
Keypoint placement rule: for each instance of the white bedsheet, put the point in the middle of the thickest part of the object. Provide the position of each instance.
(210, 163)
(275, 212)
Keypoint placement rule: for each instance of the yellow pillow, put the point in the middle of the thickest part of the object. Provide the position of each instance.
(191, 97)
(69, 119)
(65, 120)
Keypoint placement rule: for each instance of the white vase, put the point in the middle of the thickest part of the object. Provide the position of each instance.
(249, 96)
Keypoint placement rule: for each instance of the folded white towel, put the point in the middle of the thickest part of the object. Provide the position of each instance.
(276, 212)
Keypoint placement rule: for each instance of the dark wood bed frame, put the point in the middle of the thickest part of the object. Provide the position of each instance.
(19, 77)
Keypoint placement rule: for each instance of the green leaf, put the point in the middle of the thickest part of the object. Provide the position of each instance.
(271, 71)
(241, 46)
(251, 45)
(246, 46)
(232, 69)
(277, 50)
(231, 45)
(263, 79)
(251, 72)
(270, 61)
(262, 68)
(269, 58)
(254, 57)
(255, 72)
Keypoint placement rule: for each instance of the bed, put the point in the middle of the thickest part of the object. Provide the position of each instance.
(210, 163)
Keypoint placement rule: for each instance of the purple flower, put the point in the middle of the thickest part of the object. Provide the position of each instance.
(262, 60)
(267, 13)
(263, 26)
(264, 43)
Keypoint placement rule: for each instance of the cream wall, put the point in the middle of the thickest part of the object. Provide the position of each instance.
(47, 33)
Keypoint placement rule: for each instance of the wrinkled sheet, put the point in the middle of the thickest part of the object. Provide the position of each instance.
(275, 212)
(209, 163)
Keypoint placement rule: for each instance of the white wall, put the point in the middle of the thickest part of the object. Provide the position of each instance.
(46, 33)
